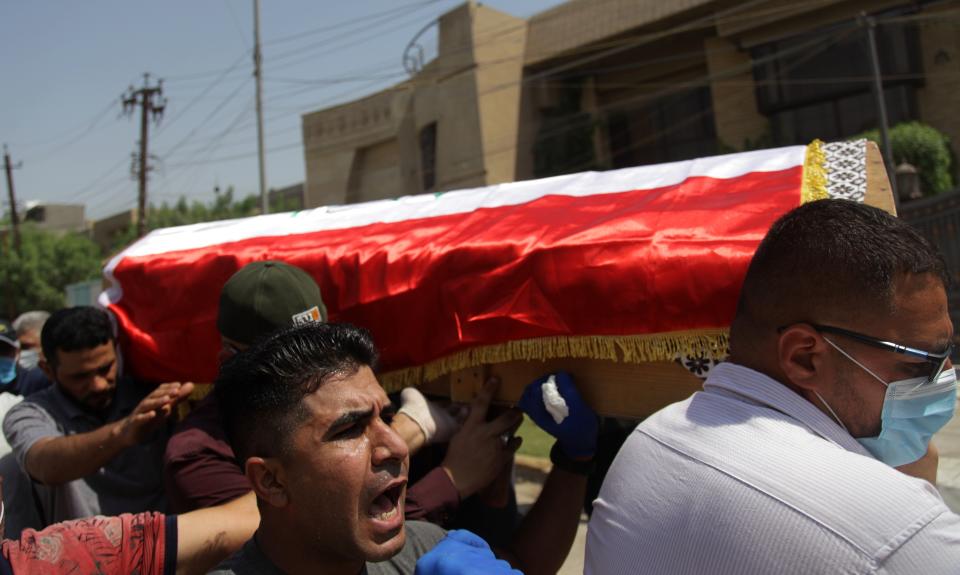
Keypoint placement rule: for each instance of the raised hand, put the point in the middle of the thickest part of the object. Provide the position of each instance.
(152, 411)
(479, 451)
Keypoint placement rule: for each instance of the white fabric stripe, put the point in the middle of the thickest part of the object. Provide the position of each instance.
(431, 205)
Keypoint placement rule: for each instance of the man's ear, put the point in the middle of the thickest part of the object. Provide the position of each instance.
(268, 478)
(46, 368)
(802, 353)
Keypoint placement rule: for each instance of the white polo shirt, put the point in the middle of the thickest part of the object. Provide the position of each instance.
(747, 477)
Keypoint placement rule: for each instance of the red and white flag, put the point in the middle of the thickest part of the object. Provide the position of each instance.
(652, 253)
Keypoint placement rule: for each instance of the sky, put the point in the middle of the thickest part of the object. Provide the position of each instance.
(65, 65)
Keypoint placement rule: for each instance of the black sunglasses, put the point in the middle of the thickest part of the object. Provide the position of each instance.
(938, 361)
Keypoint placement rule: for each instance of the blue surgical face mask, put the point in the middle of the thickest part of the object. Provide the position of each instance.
(913, 411)
(29, 358)
(8, 370)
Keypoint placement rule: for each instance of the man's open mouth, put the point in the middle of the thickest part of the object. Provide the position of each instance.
(386, 505)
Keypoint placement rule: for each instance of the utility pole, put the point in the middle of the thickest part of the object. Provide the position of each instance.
(151, 102)
(870, 24)
(258, 76)
(14, 219)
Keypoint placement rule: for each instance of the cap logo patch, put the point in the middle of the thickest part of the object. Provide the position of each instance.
(310, 316)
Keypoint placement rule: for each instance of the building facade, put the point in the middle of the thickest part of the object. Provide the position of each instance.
(601, 84)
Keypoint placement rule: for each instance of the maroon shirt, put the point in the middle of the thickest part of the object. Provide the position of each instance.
(199, 468)
(200, 471)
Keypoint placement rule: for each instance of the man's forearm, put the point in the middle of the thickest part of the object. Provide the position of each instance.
(57, 460)
(544, 538)
(206, 537)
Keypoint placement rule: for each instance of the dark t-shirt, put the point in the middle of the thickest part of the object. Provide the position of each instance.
(421, 537)
(128, 483)
(199, 468)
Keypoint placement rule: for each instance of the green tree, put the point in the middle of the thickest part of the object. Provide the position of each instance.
(926, 148)
(37, 277)
(223, 207)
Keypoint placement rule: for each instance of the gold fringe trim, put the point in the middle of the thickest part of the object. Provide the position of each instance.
(628, 349)
(814, 185)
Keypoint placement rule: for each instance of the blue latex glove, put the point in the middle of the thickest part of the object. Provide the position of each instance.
(462, 553)
(577, 434)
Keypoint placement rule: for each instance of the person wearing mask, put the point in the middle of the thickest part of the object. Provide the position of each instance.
(28, 326)
(809, 450)
(9, 354)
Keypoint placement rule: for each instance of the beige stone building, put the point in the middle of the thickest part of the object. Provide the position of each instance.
(57, 218)
(600, 84)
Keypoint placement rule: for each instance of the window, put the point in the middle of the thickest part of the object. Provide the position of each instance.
(428, 156)
(819, 85)
(564, 139)
(676, 127)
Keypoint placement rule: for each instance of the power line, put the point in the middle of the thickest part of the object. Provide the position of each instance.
(358, 20)
(81, 193)
(216, 82)
(587, 50)
(203, 122)
(222, 159)
(91, 128)
(329, 45)
(236, 24)
(215, 143)
(89, 125)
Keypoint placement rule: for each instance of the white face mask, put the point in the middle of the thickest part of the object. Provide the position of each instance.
(29, 358)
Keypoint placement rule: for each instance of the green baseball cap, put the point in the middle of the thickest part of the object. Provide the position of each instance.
(265, 296)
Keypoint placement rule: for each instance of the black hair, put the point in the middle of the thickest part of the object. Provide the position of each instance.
(260, 390)
(75, 329)
(830, 260)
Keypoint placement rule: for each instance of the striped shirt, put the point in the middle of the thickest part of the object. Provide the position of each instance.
(747, 477)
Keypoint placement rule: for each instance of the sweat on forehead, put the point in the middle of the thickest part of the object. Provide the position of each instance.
(260, 390)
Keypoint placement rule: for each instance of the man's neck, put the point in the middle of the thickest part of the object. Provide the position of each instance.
(101, 414)
(295, 554)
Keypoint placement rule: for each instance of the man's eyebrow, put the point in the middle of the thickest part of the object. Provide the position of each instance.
(351, 417)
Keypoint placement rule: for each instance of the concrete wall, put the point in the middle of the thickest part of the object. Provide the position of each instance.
(376, 173)
(333, 138)
(57, 217)
(733, 93)
(569, 27)
(105, 230)
(940, 98)
(500, 42)
(370, 149)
